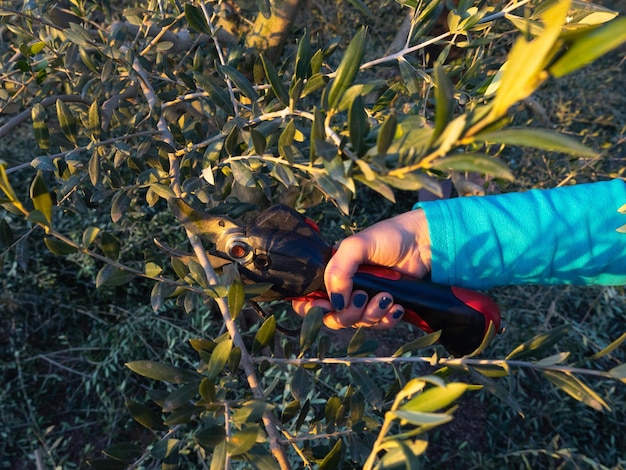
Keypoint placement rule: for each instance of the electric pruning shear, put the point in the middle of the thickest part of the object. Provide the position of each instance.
(285, 250)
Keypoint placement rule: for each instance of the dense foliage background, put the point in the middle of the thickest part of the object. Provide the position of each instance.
(108, 110)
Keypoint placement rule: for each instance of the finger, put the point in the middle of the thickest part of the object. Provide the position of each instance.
(301, 307)
(376, 309)
(391, 319)
(350, 254)
(350, 314)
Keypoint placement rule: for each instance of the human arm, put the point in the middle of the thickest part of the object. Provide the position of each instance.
(560, 236)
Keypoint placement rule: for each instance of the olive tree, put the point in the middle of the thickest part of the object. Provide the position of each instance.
(159, 104)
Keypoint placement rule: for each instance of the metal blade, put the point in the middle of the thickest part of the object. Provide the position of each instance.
(216, 261)
(201, 224)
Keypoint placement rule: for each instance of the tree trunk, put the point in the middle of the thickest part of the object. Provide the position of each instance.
(268, 35)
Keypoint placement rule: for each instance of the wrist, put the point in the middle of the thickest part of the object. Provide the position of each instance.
(422, 239)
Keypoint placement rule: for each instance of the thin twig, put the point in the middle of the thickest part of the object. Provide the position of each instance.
(460, 362)
(269, 419)
(220, 55)
(87, 147)
(18, 118)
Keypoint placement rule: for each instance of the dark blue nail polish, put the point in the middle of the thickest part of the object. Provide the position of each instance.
(384, 303)
(336, 300)
(398, 313)
(359, 300)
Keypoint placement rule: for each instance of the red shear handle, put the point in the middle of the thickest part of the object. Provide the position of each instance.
(462, 315)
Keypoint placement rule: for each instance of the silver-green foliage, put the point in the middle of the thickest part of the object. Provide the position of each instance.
(127, 114)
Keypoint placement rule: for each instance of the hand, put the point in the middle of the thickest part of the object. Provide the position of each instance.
(401, 243)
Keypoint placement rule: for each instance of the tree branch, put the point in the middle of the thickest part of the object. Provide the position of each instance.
(269, 419)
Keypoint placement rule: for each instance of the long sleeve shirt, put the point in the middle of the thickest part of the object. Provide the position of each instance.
(558, 236)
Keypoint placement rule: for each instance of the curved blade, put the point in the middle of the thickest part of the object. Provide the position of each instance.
(201, 224)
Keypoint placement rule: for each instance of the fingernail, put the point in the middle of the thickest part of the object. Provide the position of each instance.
(325, 311)
(336, 300)
(359, 300)
(384, 303)
(398, 313)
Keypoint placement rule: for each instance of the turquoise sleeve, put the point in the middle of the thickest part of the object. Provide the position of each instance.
(557, 236)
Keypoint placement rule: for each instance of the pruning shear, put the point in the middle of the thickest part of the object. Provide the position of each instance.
(284, 249)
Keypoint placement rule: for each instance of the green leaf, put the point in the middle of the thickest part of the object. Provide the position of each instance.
(94, 167)
(378, 186)
(619, 372)
(243, 174)
(482, 376)
(300, 385)
(367, 387)
(145, 416)
(278, 87)
(290, 411)
(359, 89)
(67, 121)
(196, 19)
(159, 293)
(210, 437)
(475, 162)
(435, 398)
(610, 348)
(241, 441)
(120, 204)
(576, 389)
(110, 245)
(180, 397)
(58, 247)
(219, 358)
(259, 141)
(313, 84)
(285, 141)
(335, 191)
(420, 343)
(163, 372)
(591, 46)
(444, 101)
(5, 186)
(164, 448)
(303, 56)
(218, 459)
(216, 89)
(310, 329)
(124, 451)
(357, 125)
(523, 71)
(113, 277)
(241, 82)
(420, 418)
(540, 343)
(348, 68)
(386, 134)
(236, 298)
(40, 196)
(265, 336)
(251, 411)
(95, 121)
(537, 138)
(410, 77)
(413, 182)
(332, 460)
(295, 92)
(356, 342)
(40, 128)
(402, 453)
